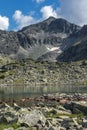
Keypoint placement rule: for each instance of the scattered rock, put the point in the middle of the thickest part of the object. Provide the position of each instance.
(46, 117)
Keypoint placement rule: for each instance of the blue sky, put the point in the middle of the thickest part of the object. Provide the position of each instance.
(15, 14)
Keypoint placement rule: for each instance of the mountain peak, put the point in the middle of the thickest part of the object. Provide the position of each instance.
(63, 26)
(51, 25)
(50, 18)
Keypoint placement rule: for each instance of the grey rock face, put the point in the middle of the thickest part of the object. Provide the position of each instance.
(74, 53)
(77, 107)
(52, 25)
(75, 46)
(61, 25)
(82, 32)
(32, 118)
(24, 43)
(9, 43)
(38, 41)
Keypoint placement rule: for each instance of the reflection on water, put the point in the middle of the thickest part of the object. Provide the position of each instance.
(23, 91)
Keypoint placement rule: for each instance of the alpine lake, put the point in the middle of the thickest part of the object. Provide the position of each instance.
(14, 93)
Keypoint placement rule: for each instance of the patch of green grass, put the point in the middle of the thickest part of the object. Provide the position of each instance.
(3, 126)
(18, 81)
(57, 115)
(2, 76)
(31, 128)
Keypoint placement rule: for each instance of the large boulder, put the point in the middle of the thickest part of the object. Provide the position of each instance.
(32, 118)
(77, 107)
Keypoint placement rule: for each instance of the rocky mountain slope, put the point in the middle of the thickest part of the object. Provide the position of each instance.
(75, 46)
(45, 38)
(36, 73)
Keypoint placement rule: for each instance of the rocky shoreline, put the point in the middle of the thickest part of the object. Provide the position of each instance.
(51, 112)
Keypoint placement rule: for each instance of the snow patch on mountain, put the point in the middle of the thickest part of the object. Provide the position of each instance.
(54, 49)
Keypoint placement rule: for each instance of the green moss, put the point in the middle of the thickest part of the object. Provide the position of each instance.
(18, 81)
(2, 76)
(3, 126)
(31, 128)
(52, 114)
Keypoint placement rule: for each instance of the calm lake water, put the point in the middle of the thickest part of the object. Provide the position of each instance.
(24, 91)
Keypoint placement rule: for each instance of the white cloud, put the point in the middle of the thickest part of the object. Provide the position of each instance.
(39, 1)
(22, 20)
(48, 11)
(4, 22)
(74, 10)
